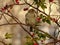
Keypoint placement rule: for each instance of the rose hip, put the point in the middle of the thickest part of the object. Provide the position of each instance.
(35, 44)
(51, 0)
(38, 19)
(25, 9)
(17, 1)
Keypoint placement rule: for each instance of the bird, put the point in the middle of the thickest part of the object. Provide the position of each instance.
(30, 18)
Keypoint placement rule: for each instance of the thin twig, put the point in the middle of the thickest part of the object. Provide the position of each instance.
(49, 9)
(3, 42)
(5, 18)
(12, 24)
(53, 42)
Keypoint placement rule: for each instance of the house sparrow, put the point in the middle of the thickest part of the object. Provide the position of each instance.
(31, 18)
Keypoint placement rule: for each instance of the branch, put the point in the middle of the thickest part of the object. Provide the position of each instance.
(53, 42)
(12, 24)
(57, 24)
(5, 18)
(3, 42)
(8, 6)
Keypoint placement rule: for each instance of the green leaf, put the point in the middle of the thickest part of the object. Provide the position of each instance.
(27, 37)
(41, 15)
(47, 35)
(8, 36)
(41, 36)
(29, 43)
(36, 38)
(36, 1)
(43, 20)
(36, 31)
(48, 21)
(10, 43)
(43, 6)
(40, 3)
(42, 0)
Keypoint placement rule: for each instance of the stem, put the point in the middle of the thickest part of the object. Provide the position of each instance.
(5, 18)
(49, 8)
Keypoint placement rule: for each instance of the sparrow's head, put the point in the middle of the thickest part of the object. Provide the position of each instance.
(31, 10)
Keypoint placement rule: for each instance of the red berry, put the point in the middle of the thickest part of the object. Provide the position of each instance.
(51, 0)
(2, 9)
(35, 44)
(25, 9)
(32, 34)
(42, 40)
(38, 19)
(8, 10)
(6, 7)
(54, 20)
(17, 1)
